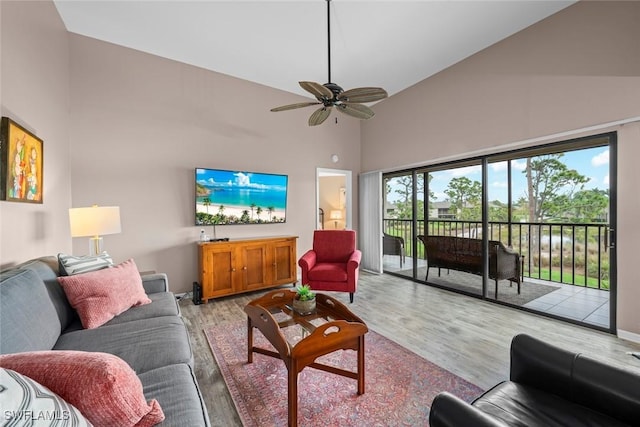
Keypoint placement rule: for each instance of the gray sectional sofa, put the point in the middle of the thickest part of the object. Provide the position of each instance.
(152, 338)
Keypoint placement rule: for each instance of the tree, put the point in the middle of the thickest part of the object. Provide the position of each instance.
(258, 212)
(252, 206)
(206, 202)
(589, 205)
(464, 196)
(550, 183)
(404, 188)
(498, 211)
(271, 209)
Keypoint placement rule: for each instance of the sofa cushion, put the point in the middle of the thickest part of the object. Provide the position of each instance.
(144, 344)
(48, 269)
(519, 405)
(328, 272)
(70, 264)
(162, 304)
(100, 295)
(25, 400)
(28, 318)
(102, 386)
(176, 389)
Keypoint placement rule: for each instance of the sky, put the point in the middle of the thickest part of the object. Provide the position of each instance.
(592, 163)
(239, 179)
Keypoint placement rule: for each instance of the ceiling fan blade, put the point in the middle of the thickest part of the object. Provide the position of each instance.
(317, 90)
(363, 94)
(294, 106)
(319, 116)
(356, 110)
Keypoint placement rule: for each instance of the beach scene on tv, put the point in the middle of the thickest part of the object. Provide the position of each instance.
(235, 197)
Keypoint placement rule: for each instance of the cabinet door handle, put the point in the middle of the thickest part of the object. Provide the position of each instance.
(233, 270)
(244, 268)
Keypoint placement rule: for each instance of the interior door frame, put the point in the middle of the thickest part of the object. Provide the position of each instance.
(348, 184)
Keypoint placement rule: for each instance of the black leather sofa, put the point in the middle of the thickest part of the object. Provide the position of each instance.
(548, 386)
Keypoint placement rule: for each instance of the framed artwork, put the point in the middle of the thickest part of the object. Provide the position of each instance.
(21, 163)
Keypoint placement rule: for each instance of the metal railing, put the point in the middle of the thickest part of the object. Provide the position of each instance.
(571, 253)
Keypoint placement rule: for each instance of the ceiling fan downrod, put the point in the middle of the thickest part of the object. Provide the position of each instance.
(329, 39)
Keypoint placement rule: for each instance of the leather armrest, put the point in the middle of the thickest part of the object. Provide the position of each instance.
(449, 411)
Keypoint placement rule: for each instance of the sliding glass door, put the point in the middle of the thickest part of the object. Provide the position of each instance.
(530, 228)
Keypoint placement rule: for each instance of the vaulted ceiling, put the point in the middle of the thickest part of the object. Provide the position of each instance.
(390, 44)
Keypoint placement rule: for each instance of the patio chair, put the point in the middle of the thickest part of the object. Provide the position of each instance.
(393, 245)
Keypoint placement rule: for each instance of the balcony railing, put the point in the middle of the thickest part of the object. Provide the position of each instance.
(571, 253)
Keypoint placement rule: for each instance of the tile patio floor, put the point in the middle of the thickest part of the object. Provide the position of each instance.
(573, 302)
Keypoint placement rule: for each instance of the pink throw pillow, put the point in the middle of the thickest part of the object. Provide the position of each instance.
(102, 386)
(99, 296)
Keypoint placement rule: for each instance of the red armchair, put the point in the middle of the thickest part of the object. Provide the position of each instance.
(332, 264)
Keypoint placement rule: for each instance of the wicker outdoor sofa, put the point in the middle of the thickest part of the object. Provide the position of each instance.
(464, 254)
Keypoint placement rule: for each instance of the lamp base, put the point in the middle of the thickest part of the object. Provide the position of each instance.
(95, 246)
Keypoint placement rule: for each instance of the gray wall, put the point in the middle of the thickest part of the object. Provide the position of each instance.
(34, 92)
(140, 124)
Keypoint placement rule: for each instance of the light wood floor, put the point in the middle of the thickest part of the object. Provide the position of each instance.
(467, 336)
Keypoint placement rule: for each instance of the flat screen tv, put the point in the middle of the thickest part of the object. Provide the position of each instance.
(225, 197)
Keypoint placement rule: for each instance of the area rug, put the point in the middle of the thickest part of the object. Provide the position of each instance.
(399, 385)
(472, 284)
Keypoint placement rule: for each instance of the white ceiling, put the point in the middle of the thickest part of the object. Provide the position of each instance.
(390, 44)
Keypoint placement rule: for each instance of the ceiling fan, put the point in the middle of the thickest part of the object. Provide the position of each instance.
(331, 95)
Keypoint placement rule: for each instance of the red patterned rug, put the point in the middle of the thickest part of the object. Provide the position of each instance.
(399, 385)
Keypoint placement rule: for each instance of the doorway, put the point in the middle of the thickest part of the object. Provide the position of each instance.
(333, 199)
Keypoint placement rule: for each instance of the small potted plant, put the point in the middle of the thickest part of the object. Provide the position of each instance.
(305, 300)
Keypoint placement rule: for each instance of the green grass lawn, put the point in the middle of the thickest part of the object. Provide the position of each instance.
(567, 278)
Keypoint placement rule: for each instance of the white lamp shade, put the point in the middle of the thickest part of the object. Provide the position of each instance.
(336, 214)
(94, 221)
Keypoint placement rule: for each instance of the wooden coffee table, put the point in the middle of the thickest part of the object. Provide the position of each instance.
(300, 340)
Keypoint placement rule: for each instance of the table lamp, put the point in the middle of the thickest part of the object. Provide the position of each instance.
(95, 221)
(336, 215)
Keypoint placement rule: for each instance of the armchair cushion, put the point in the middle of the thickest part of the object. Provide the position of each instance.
(334, 245)
(329, 272)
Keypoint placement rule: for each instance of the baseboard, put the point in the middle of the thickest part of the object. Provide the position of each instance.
(629, 336)
(183, 295)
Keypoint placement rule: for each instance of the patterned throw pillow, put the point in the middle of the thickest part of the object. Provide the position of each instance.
(26, 402)
(70, 265)
(99, 296)
(102, 386)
